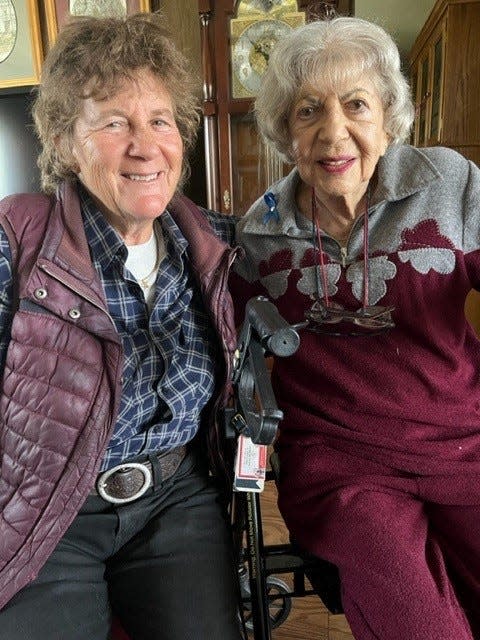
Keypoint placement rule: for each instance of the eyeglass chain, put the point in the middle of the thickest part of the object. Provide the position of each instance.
(319, 256)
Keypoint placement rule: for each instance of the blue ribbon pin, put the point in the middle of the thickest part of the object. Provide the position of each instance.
(272, 213)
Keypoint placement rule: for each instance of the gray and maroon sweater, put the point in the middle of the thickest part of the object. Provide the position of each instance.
(409, 398)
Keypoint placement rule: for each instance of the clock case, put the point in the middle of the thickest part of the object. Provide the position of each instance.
(252, 38)
(238, 167)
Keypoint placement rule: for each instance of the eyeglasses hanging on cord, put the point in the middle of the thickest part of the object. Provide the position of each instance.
(328, 317)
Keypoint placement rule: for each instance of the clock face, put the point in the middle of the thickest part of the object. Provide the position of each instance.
(251, 53)
(263, 5)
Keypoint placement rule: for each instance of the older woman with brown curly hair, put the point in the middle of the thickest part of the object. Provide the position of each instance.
(116, 335)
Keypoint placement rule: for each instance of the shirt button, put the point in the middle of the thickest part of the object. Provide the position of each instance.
(40, 294)
(74, 314)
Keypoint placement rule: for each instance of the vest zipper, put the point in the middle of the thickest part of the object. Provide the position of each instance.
(85, 296)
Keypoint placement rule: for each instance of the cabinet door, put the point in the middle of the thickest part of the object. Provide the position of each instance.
(423, 112)
(427, 88)
(447, 104)
(415, 93)
(461, 121)
(437, 57)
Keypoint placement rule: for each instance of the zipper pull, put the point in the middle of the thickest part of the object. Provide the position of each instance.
(343, 253)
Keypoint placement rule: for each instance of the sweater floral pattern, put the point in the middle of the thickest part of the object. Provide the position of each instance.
(409, 398)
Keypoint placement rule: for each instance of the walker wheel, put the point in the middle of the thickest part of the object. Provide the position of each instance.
(279, 607)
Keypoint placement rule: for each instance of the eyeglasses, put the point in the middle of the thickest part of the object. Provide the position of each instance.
(365, 321)
(331, 318)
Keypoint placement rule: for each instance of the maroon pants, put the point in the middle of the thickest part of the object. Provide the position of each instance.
(407, 547)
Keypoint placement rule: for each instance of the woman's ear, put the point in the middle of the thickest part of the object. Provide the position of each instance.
(387, 141)
(64, 148)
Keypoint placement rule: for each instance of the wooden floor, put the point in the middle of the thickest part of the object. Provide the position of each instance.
(308, 619)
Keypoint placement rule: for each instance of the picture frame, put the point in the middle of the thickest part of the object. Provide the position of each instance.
(21, 51)
(57, 12)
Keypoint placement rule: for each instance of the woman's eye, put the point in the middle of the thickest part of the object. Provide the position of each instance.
(357, 104)
(305, 112)
(114, 124)
(165, 122)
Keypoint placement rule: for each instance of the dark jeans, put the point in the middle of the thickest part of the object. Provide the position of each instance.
(163, 564)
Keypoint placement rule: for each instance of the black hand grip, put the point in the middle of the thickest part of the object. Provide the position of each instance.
(274, 332)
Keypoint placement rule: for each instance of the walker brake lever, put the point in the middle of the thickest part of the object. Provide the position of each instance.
(264, 331)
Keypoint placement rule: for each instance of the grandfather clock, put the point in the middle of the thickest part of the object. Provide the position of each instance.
(236, 39)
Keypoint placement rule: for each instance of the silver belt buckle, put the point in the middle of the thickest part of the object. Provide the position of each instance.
(103, 477)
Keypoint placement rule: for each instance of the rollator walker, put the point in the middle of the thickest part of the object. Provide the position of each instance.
(266, 599)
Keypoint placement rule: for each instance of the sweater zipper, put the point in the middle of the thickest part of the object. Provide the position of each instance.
(344, 249)
(232, 255)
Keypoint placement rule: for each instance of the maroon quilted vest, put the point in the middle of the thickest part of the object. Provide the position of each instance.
(62, 379)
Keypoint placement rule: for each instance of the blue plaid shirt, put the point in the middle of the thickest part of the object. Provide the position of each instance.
(170, 354)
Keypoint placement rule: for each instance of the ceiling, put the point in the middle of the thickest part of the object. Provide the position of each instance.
(403, 20)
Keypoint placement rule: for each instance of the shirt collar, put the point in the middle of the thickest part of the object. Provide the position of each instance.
(106, 244)
(403, 171)
(172, 233)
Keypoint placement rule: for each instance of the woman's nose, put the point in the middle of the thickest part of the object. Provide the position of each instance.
(143, 143)
(333, 125)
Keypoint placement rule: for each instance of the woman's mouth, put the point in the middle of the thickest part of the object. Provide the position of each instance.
(336, 165)
(141, 177)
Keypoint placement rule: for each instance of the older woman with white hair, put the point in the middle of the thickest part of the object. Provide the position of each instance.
(371, 247)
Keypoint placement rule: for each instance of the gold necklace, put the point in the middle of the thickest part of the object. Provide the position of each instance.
(145, 282)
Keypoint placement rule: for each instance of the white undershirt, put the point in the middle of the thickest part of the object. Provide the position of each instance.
(143, 261)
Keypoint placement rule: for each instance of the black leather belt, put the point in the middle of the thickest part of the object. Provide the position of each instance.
(129, 481)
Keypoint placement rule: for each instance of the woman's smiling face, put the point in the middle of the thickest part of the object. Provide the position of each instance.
(338, 137)
(129, 153)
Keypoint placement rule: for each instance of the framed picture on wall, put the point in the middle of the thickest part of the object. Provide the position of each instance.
(57, 12)
(20, 43)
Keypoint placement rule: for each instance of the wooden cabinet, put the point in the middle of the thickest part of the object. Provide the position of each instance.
(445, 64)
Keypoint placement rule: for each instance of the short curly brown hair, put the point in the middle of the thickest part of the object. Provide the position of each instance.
(90, 58)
